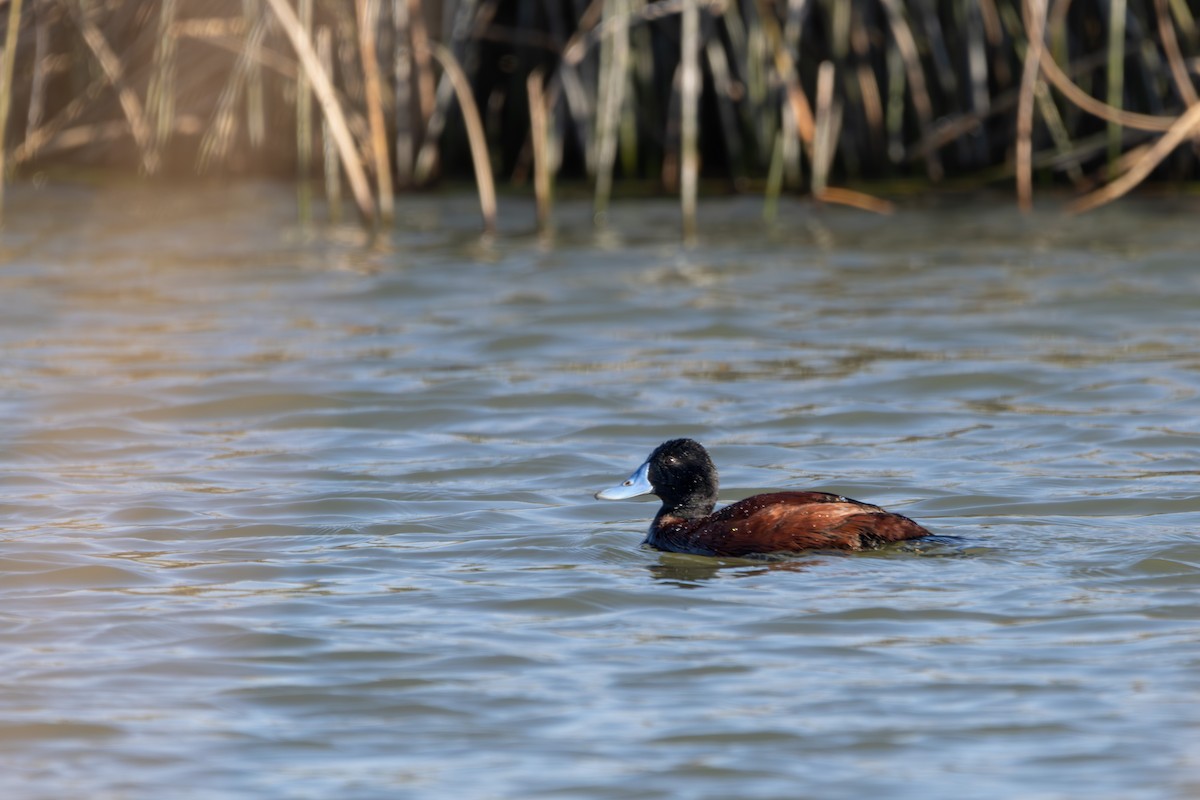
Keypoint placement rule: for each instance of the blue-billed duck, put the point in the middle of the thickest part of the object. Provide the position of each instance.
(682, 475)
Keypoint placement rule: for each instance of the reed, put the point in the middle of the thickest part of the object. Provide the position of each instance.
(1115, 75)
(539, 134)
(769, 95)
(479, 151)
(333, 163)
(374, 100)
(614, 68)
(6, 83)
(332, 109)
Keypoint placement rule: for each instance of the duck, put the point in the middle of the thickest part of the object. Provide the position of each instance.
(682, 475)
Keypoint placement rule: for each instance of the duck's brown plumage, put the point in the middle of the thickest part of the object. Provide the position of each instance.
(783, 522)
(682, 475)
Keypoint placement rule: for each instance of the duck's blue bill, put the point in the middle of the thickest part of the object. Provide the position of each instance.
(635, 485)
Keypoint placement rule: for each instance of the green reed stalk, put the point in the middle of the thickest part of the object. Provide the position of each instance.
(895, 104)
(1185, 19)
(641, 70)
(774, 180)
(1116, 76)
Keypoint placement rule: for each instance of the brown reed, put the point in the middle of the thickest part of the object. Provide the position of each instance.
(614, 91)
(6, 82)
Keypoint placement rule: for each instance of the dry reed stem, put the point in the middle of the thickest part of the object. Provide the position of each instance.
(111, 66)
(329, 105)
(576, 47)
(331, 161)
(859, 200)
(374, 101)
(1097, 108)
(591, 30)
(538, 134)
(614, 70)
(426, 164)
(785, 67)
(93, 133)
(219, 137)
(1166, 33)
(36, 139)
(280, 65)
(1058, 131)
(689, 111)
(976, 57)
(1184, 127)
(402, 76)
(6, 82)
(723, 89)
(475, 134)
(210, 28)
(304, 134)
(828, 124)
(426, 88)
(160, 94)
(823, 145)
(872, 101)
(1035, 18)
(578, 107)
(37, 87)
(256, 117)
(907, 46)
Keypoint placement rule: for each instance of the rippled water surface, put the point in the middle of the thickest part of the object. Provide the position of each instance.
(290, 514)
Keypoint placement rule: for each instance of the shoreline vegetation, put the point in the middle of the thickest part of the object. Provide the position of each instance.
(384, 97)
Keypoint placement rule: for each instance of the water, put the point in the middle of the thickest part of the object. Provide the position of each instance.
(290, 514)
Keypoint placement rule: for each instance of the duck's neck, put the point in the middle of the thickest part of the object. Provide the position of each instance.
(688, 508)
(671, 530)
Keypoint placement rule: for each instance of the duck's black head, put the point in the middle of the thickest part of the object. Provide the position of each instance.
(680, 473)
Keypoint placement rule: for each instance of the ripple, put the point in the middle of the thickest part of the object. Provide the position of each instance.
(288, 517)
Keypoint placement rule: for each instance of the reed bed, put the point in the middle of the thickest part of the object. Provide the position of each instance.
(770, 96)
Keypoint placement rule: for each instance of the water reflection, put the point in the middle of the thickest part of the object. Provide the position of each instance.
(689, 571)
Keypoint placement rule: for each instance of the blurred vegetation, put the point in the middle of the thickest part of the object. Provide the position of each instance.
(387, 96)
